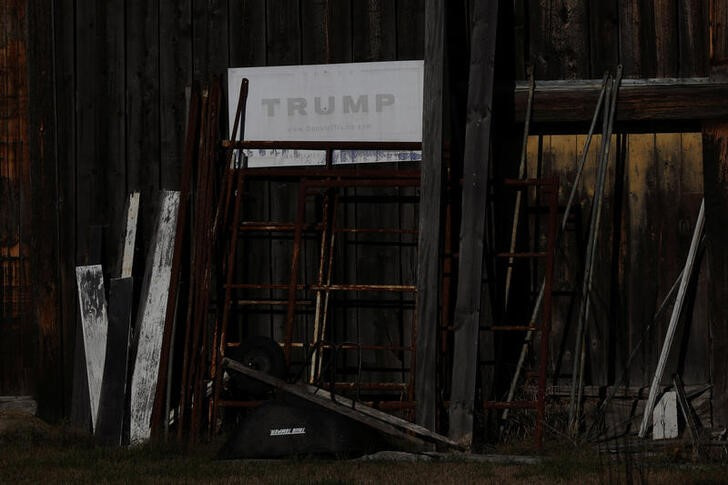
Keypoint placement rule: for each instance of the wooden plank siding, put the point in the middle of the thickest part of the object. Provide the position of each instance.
(106, 116)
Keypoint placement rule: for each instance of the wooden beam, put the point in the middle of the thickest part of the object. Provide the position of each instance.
(112, 401)
(381, 421)
(150, 318)
(428, 247)
(472, 229)
(643, 100)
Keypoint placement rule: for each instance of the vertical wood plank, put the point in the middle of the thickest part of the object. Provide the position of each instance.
(210, 55)
(143, 111)
(128, 239)
(637, 38)
(112, 399)
(603, 36)
(247, 33)
(695, 345)
(474, 206)
(693, 35)
(64, 28)
(430, 241)
(558, 32)
(314, 32)
(150, 317)
(175, 73)
(373, 30)
(48, 353)
(95, 322)
(666, 37)
(641, 267)
(410, 29)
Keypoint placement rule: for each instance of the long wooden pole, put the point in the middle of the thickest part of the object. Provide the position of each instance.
(472, 230)
(428, 247)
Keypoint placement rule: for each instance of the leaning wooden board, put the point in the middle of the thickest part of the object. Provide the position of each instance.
(414, 434)
(113, 390)
(150, 318)
(94, 322)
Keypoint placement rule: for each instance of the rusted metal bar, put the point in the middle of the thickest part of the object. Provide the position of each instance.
(269, 302)
(263, 286)
(552, 192)
(184, 390)
(317, 323)
(510, 405)
(361, 287)
(295, 257)
(207, 238)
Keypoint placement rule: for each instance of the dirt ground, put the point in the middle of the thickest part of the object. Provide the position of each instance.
(33, 452)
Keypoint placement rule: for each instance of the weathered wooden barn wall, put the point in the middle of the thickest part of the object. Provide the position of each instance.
(16, 372)
(106, 116)
(580, 39)
(652, 200)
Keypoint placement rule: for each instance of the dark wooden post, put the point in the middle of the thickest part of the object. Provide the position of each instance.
(474, 203)
(715, 186)
(428, 256)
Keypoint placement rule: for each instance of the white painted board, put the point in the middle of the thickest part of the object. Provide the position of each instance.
(664, 417)
(150, 318)
(367, 101)
(132, 216)
(95, 324)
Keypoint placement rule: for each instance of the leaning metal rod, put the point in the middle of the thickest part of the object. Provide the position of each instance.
(589, 260)
(589, 274)
(564, 220)
(519, 194)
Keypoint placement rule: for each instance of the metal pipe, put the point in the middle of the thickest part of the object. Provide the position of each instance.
(519, 194)
(564, 220)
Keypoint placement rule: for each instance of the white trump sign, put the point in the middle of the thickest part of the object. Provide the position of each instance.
(370, 102)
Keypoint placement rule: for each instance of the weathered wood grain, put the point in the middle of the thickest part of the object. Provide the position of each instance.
(429, 244)
(175, 73)
(472, 230)
(129, 235)
(95, 323)
(639, 100)
(150, 317)
(112, 400)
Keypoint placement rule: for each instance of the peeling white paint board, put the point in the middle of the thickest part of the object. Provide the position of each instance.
(150, 318)
(95, 323)
(664, 417)
(132, 216)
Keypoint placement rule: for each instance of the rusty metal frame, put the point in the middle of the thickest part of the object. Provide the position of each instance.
(313, 181)
(548, 190)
